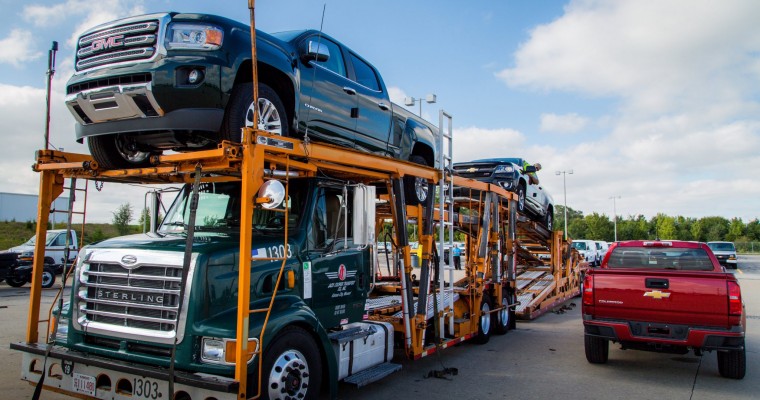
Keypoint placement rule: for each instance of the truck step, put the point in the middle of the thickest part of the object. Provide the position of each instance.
(372, 374)
(350, 334)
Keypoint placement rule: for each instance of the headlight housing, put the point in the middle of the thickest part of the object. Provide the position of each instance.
(504, 168)
(222, 351)
(193, 37)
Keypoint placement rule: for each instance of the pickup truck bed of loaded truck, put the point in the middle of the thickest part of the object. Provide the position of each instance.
(666, 296)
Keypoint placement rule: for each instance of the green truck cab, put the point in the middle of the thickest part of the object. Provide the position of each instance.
(126, 293)
(175, 81)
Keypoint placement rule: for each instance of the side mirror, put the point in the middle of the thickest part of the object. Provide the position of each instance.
(315, 51)
(364, 215)
(529, 169)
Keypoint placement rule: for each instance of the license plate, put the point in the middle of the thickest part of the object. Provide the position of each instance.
(84, 384)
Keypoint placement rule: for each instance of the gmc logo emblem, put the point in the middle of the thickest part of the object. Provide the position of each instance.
(113, 41)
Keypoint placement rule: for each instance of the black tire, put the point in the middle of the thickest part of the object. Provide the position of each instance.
(520, 191)
(416, 189)
(117, 151)
(49, 261)
(503, 320)
(549, 221)
(597, 349)
(48, 278)
(732, 364)
(484, 322)
(15, 282)
(240, 112)
(292, 358)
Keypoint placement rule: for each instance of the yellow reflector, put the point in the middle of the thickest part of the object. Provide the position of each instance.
(214, 37)
(291, 279)
(229, 350)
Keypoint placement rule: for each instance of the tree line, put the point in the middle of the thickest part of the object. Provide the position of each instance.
(597, 226)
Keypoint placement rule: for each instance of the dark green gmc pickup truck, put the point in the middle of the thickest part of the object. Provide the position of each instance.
(180, 82)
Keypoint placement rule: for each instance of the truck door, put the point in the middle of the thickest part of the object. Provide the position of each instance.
(373, 122)
(328, 97)
(339, 271)
(56, 247)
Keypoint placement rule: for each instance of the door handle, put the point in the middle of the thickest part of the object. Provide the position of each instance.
(656, 283)
(383, 106)
(349, 90)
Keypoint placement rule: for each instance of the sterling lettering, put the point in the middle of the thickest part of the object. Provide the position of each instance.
(131, 297)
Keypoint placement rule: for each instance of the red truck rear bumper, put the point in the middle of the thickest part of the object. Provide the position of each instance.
(635, 332)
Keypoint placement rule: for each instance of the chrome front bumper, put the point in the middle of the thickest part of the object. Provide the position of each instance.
(113, 103)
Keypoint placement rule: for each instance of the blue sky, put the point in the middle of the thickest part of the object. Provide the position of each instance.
(655, 101)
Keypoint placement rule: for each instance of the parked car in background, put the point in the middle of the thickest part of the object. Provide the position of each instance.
(587, 249)
(17, 275)
(513, 174)
(601, 250)
(725, 252)
(55, 248)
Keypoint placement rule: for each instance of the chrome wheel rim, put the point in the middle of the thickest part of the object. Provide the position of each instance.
(549, 222)
(521, 199)
(269, 119)
(421, 189)
(289, 377)
(485, 320)
(504, 313)
(47, 277)
(127, 148)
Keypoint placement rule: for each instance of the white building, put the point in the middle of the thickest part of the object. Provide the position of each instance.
(23, 207)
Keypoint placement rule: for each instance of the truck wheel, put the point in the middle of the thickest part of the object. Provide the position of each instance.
(597, 349)
(15, 282)
(117, 151)
(502, 320)
(292, 367)
(521, 197)
(48, 278)
(484, 322)
(415, 189)
(272, 116)
(549, 221)
(732, 364)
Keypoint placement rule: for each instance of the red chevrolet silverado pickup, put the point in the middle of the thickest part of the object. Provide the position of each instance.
(666, 296)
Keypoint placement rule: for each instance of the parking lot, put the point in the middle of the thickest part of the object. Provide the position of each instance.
(541, 359)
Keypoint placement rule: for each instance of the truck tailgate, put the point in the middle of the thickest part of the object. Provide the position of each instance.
(675, 297)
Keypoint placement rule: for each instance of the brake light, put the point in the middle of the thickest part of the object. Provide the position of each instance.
(588, 290)
(734, 299)
(658, 244)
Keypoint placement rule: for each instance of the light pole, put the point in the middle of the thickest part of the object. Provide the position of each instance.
(430, 99)
(614, 211)
(564, 189)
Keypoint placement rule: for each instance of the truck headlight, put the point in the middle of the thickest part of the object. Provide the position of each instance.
(222, 351)
(193, 37)
(504, 168)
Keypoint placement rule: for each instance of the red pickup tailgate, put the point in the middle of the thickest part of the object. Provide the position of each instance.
(675, 297)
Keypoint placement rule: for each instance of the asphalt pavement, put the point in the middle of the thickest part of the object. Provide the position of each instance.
(541, 359)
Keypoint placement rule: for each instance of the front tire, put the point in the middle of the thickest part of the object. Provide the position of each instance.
(484, 322)
(117, 151)
(292, 367)
(271, 112)
(597, 349)
(549, 221)
(521, 197)
(732, 364)
(15, 282)
(415, 188)
(504, 319)
(48, 278)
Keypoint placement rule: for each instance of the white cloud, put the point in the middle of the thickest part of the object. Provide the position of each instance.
(18, 48)
(472, 143)
(396, 94)
(567, 123)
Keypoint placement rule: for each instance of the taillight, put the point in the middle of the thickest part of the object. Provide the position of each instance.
(588, 290)
(734, 299)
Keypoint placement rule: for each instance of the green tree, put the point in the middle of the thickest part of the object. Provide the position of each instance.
(664, 226)
(559, 219)
(735, 230)
(599, 227)
(753, 229)
(633, 228)
(122, 218)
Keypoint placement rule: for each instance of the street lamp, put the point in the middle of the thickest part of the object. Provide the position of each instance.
(614, 211)
(409, 101)
(564, 189)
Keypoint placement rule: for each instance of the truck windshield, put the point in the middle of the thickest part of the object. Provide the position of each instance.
(219, 210)
(658, 258)
(721, 246)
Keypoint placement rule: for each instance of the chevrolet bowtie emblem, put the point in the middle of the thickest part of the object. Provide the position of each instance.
(473, 169)
(656, 294)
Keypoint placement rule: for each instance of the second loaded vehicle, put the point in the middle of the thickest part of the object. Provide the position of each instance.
(513, 174)
(176, 81)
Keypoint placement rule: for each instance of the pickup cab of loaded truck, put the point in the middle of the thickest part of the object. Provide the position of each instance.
(664, 296)
(182, 82)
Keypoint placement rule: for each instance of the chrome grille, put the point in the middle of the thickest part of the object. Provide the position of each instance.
(129, 42)
(146, 297)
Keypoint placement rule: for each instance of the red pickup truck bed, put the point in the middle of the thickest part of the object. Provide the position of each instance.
(666, 296)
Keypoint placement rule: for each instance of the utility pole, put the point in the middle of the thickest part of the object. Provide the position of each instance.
(614, 212)
(564, 189)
